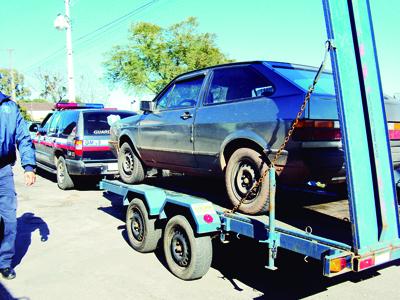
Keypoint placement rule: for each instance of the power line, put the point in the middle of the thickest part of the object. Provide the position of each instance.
(120, 19)
(100, 30)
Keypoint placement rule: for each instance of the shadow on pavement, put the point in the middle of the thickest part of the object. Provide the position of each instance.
(242, 262)
(26, 225)
(5, 294)
(117, 209)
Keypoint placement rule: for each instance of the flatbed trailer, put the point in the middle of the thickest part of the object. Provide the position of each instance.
(211, 220)
(186, 224)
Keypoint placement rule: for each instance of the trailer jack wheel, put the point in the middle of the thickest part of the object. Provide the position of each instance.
(142, 232)
(188, 257)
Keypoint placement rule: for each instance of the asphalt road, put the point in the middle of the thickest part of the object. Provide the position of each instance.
(72, 245)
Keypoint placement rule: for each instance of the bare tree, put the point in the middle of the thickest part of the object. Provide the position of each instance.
(53, 85)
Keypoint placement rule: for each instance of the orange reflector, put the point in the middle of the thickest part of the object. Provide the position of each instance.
(208, 218)
(338, 264)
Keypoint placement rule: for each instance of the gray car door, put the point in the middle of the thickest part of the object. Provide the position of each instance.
(166, 135)
(39, 140)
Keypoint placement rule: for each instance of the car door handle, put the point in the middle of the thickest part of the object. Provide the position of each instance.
(186, 115)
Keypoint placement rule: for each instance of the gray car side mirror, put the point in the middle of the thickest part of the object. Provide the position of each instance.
(147, 106)
(34, 128)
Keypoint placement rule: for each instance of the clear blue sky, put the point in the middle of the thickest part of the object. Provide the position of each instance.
(284, 30)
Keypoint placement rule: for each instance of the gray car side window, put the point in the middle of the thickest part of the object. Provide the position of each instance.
(236, 83)
(181, 94)
(162, 102)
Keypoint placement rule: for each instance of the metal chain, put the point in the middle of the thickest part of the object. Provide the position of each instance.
(328, 47)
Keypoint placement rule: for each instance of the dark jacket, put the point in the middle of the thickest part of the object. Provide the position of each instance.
(13, 131)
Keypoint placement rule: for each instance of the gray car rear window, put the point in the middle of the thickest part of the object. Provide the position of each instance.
(304, 79)
(96, 123)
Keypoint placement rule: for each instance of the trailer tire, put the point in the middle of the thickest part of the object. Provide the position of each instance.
(130, 167)
(142, 233)
(188, 257)
(245, 166)
(64, 180)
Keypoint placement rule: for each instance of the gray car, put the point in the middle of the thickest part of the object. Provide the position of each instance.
(229, 120)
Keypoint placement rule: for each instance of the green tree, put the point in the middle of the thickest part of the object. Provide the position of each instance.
(155, 55)
(13, 81)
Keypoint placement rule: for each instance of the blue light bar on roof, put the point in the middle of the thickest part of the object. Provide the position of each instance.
(60, 106)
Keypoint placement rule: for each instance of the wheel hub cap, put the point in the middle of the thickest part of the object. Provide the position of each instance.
(180, 249)
(137, 226)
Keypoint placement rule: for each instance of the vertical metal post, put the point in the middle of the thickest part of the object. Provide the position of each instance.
(372, 199)
(12, 79)
(272, 236)
(70, 63)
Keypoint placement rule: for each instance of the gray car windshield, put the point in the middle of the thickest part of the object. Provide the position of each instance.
(304, 79)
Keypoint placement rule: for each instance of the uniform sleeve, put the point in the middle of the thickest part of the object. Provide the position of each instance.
(24, 144)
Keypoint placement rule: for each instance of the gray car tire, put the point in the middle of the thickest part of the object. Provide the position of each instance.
(129, 165)
(64, 180)
(245, 166)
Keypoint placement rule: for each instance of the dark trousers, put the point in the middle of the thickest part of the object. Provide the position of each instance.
(8, 206)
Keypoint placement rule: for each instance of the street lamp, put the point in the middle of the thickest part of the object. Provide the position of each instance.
(62, 22)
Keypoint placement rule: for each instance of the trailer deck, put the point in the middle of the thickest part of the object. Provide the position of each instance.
(326, 213)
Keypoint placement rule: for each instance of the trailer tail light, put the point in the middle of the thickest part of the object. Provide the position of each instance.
(366, 263)
(317, 130)
(338, 264)
(78, 148)
(394, 131)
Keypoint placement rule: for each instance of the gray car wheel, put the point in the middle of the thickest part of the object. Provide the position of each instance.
(130, 167)
(244, 168)
(64, 180)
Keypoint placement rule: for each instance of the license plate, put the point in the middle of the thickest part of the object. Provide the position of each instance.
(112, 167)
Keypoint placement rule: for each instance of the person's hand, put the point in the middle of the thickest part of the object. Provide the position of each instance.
(30, 178)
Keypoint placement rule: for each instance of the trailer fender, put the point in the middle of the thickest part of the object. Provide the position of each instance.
(201, 214)
(154, 198)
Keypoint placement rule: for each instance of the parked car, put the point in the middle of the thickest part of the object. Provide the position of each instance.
(72, 141)
(231, 119)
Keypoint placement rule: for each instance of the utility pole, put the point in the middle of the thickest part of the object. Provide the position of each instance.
(70, 62)
(64, 22)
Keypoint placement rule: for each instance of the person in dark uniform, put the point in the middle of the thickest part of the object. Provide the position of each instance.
(13, 133)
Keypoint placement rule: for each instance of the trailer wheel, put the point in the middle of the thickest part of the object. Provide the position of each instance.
(64, 180)
(129, 165)
(142, 232)
(245, 167)
(188, 257)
